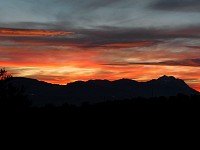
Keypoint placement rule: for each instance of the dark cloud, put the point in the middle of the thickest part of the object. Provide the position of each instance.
(177, 5)
(95, 4)
(194, 47)
(112, 37)
(135, 34)
(185, 62)
(35, 25)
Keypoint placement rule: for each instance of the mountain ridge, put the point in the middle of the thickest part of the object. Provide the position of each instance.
(93, 91)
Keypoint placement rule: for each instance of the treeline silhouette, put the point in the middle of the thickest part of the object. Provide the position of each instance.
(174, 104)
(179, 103)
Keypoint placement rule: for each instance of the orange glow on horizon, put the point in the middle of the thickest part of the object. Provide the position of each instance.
(63, 75)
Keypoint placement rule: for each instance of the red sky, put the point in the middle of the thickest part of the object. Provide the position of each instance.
(61, 41)
(46, 55)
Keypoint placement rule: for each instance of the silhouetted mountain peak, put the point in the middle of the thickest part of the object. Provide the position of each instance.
(166, 78)
(168, 81)
(171, 81)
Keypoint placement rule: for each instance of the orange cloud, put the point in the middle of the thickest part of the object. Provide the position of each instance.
(31, 32)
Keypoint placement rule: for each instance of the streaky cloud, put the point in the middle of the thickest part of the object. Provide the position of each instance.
(33, 32)
(108, 37)
(185, 62)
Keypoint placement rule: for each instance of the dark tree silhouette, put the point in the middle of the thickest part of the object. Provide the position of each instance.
(4, 75)
(11, 98)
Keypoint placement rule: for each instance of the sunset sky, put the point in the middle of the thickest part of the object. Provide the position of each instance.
(61, 41)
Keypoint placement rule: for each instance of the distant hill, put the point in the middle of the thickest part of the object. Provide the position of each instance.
(41, 93)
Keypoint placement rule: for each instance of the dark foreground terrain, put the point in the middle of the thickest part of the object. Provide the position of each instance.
(138, 118)
(180, 104)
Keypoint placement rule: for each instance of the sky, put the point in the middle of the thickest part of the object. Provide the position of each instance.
(61, 41)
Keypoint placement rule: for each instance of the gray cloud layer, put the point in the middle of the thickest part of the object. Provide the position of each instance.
(91, 13)
(177, 5)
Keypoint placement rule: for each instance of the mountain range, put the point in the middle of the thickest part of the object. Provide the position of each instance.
(93, 91)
